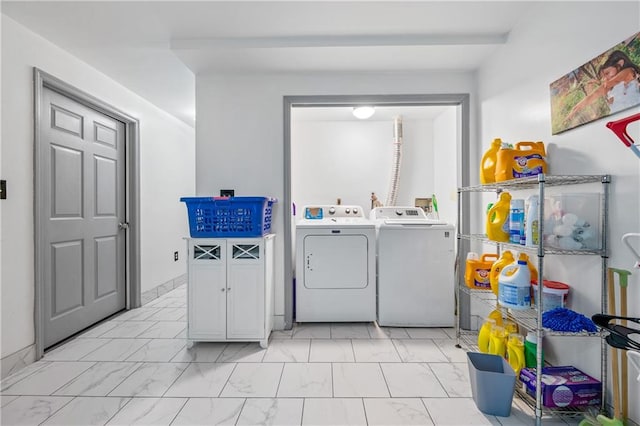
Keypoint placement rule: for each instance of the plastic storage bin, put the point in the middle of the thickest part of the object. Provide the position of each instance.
(572, 221)
(554, 294)
(493, 382)
(219, 217)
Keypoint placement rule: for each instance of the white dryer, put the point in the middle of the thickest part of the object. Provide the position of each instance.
(335, 265)
(415, 268)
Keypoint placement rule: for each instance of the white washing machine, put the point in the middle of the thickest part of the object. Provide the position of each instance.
(335, 265)
(415, 268)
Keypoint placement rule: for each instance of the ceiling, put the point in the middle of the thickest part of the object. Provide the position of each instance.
(155, 48)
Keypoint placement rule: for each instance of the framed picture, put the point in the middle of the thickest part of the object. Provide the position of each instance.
(608, 83)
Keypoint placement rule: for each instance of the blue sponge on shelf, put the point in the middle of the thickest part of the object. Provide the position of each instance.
(563, 319)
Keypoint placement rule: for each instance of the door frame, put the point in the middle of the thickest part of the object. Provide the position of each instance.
(461, 100)
(44, 80)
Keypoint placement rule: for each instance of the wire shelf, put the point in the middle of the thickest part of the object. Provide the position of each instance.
(533, 181)
(526, 318)
(529, 249)
(468, 342)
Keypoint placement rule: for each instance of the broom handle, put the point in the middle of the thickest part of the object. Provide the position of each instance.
(625, 379)
(615, 377)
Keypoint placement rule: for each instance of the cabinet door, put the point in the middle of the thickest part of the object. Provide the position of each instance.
(207, 290)
(245, 289)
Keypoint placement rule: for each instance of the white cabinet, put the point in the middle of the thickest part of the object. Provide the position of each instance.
(230, 289)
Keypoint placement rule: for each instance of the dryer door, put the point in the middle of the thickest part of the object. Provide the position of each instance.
(336, 261)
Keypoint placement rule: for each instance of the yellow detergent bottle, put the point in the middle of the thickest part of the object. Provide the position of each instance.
(505, 259)
(494, 318)
(488, 163)
(515, 352)
(498, 219)
(498, 341)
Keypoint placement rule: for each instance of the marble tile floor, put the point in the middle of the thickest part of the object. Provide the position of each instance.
(135, 369)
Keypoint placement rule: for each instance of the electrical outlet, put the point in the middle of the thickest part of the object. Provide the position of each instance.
(175, 256)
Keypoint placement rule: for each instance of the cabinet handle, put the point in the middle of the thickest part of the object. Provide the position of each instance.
(222, 289)
(228, 288)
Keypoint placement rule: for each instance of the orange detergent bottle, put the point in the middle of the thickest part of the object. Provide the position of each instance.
(498, 219)
(505, 259)
(476, 274)
(526, 159)
(488, 163)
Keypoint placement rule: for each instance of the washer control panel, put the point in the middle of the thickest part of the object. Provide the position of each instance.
(398, 213)
(324, 212)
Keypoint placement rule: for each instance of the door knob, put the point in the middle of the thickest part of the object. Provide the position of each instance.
(123, 225)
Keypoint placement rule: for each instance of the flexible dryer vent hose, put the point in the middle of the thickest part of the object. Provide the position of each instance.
(392, 194)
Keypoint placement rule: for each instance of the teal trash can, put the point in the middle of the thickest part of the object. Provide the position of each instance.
(493, 382)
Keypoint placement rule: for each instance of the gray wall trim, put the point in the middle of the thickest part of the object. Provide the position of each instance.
(18, 360)
(461, 100)
(161, 289)
(41, 80)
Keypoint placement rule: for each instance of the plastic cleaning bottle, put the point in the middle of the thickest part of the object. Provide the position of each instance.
(532, 268)
(515, 352)
(488, 163)
(516, 221)
(498, 341)
(530, 348)
(514, 285)
(484, 335)
(531, 225)
(506, 258)
(498, 219)
(472, 258)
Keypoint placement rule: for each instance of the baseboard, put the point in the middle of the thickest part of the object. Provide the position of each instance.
(161, 289)
(278, 322)
(17, 361)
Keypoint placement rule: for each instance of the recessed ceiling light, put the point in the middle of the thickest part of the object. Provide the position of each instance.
(363, 112)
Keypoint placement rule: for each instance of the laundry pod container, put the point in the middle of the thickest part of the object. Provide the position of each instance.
(554, 294)
(493, 382)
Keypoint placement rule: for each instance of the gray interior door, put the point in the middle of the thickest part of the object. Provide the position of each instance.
(84, 202)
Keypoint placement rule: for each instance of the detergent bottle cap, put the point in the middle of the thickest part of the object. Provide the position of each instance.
(497, 142)
(505, 196)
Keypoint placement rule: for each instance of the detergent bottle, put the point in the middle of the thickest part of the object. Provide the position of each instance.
(506, 258)
(525, 160)
(477, 271)
(488, 163)
(515, 352)
(531, 225)
(498, 219)
(494, 318)
(532, 269)
(514, 285)
(498, 341)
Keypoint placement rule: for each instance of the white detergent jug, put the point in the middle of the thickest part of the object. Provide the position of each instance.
(514, 285)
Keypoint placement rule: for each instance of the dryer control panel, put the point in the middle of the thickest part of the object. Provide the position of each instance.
(328, 211)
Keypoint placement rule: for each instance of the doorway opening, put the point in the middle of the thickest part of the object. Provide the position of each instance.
(345, 158)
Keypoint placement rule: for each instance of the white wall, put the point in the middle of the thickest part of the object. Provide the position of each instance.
(515, 105)
(351, 159)
(445, 164)
(166, 173)
(239, 128)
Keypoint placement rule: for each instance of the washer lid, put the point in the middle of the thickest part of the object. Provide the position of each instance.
(414, 222)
